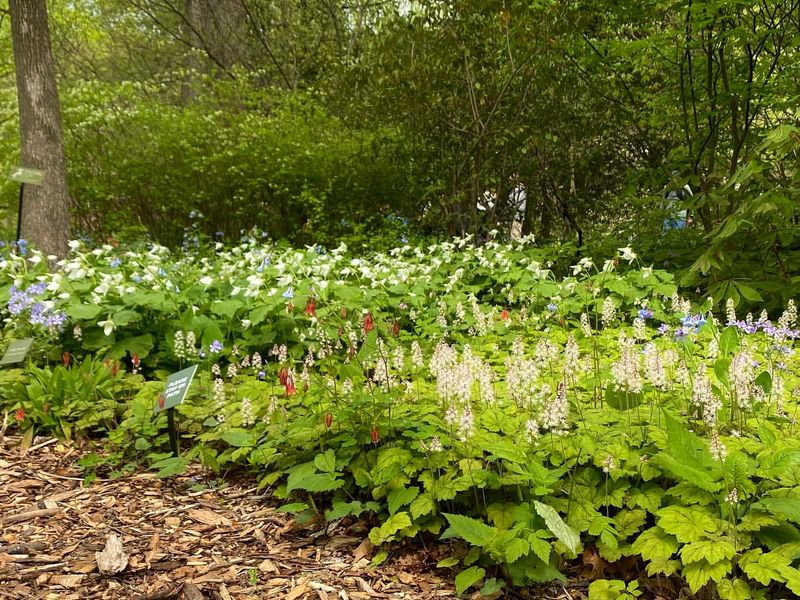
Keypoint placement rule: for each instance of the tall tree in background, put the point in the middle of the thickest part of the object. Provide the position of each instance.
(45, 215)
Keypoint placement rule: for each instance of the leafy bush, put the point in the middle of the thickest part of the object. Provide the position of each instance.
(140, 163)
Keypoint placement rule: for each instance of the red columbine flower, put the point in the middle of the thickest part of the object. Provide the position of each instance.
(135, 360)
(289, 307)
(65, 358)
(20, 415)
(289, 385)
(328, 420)
(311, 307)
(369, 325)
(375, 434)
(283, 375)
(395, 328)
(504, 315)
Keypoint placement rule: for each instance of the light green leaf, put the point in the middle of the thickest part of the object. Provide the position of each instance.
(170, 466)
(565, 534)
(606, 589)
(654, 544)
(501, 514)
(226, 308)
(712, 551)
(734, 589)
(728, 341)
(492, 586)
(697, 574)
(390, 527)
(467, 578)
(475, 532)
(399, 497)
(240, 438)
(326, 462)
(540, 547)
(450, 561)
(648, 497)
(764, 568)
(788, 506)
(515, 549)
(688, 524)
(85, 312)
(422, 505)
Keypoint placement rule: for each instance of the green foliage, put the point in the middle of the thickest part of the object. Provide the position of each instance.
(436, 401)
(296, 173)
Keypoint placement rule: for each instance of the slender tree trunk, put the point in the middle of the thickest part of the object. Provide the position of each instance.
(45, 215)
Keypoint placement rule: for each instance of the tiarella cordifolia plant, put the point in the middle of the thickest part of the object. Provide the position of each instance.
(467, 393)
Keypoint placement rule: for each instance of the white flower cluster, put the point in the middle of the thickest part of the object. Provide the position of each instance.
(185, 345)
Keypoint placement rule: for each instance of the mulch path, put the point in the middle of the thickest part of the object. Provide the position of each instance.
(225, 543)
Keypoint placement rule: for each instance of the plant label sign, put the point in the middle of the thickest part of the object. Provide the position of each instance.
(16, 352)
(175, 389)
(23, 175)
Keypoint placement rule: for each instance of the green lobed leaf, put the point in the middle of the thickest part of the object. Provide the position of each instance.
(390, 527)
(697, 574)
(688, 524)
(654, 544)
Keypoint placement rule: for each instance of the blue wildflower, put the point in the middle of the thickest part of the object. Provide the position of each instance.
(289, 293)
(115, 262)
(645, 313)
(37, 289)
(215, 347)
(663, 328)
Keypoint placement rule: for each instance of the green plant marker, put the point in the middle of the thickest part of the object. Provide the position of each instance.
(17, 351)
(173, 394)
(28, 176)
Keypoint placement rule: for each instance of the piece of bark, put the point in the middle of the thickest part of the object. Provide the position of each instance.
(113, 558)
(164, 594)
(29, 515)
(192, 592)
(30, 548)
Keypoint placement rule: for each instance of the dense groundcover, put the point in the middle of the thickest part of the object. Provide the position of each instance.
(534, 412)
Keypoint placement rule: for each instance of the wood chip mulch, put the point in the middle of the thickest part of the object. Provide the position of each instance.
(227, 543)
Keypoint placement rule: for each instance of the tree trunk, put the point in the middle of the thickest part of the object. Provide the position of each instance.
(45, 213)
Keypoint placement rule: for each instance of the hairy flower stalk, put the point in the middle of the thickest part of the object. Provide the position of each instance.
(586, 328)
(246, 412)
(554, 414)
(572, 358)
(742, 375)
(522, 374)
(626, 371)
(654, 368)
(608, 313)
(706, 401)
